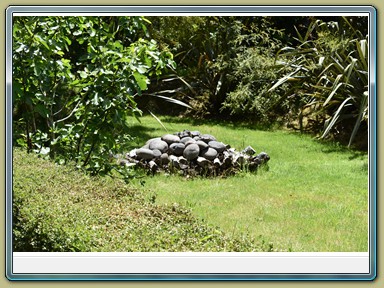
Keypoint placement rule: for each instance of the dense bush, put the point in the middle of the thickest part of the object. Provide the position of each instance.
(57, 209)
(328, 74)
(217, 56)
(307, 72)
(202, 49)
(253, 71)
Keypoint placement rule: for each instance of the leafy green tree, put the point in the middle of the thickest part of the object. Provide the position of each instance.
(74, 105)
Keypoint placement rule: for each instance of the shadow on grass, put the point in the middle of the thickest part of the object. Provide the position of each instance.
(331, 147)
(222, 122)
(140, 134)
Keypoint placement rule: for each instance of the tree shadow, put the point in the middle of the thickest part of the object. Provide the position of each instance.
(140, 134)
(233, 124)
(354, 154)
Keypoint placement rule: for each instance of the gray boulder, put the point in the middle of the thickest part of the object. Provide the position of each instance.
(209, 153)
(264, 157)
(152, 139)
(145, 154)
(249, 151)
(132, 153)
(157, 153)
(185, 133)
(202, 145)
(207, 137)
(177, 148)
(164, 159)
(190, 142)
(174, 161)
(191, 151)
(195, 133)
(159, 145)
(186, 139)
(153, 166)
(169, 138)
(146, 146)
(238, 159)
(203, 162)
(183, 163)
(217, 162)
(218, 146)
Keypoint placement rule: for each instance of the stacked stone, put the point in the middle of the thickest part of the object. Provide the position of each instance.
(193, 153)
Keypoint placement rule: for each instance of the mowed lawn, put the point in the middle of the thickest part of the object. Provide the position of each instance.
(312, 197)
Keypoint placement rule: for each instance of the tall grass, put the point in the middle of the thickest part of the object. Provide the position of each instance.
(58, 209)
(313, 196)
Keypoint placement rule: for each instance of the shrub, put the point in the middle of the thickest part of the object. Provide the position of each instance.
(57, 209)
(328, 71)
(213, 56)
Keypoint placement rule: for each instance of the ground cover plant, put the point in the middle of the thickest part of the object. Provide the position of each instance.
(58, 209)
(312, 197)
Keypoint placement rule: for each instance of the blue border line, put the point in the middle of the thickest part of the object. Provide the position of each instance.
(374, 136)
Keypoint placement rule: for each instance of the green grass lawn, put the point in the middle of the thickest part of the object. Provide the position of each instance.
(312, 197)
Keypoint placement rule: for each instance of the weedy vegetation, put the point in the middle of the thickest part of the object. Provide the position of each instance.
(58, 209)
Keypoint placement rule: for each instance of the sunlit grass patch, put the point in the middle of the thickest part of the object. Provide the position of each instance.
(312, 196)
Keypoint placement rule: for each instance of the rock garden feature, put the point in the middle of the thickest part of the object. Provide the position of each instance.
(191, 153)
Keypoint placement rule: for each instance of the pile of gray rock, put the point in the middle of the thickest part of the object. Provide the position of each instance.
(192, 153)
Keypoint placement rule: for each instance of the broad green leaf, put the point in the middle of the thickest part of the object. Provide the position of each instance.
(95, 100)
(21, 48)
(120, 55)
(41, 41)
(37, 69)
(69, 42)
(83, 74)
(42, 110)
(142, 69)
(141, 80)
